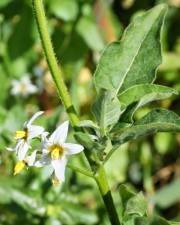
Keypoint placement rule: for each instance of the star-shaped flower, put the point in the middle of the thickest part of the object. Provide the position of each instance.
(23, 87)
(56, 151)
(24, 136)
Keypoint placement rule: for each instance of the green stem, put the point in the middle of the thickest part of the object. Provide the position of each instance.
(105, 191)
(79, 170)
(52, 62)
(57, 75)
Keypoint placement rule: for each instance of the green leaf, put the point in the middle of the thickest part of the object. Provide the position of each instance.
(30, 204)
(140, 95)
(106, 109)
(21, 39)
(66, 10)
(137, 205)
(79, 213)
(135, 220)
(84, 139)
(145, 93)
(157, 120)
(126, 193)
(88, 123)
(174, 223)
(88, 30)
(168, 195)
(135, 58)
(87, 141)
(3, 3)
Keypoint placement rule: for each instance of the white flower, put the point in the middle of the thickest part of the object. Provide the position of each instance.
(56, 151)
(24, 136)
(27, 161)
(23, 87)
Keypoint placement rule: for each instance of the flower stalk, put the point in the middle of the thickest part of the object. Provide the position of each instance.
(57, 75)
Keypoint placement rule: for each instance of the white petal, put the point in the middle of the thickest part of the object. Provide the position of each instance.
(32, 89)
(26, 79)
(44, 161)
(22, 150)
(34, 117)
(19, 145)
(59, 168)
(72, 149)
(34, 131)
(31, 159)
(45, 142)
(15, 90)
(60, 134)
(10, 149)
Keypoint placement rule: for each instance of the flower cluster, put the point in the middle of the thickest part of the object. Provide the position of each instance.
(54, 151)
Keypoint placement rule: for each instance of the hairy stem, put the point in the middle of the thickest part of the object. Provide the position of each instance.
(57, 75)
(52, 62)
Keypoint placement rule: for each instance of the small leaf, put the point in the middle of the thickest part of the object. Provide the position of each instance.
(84, 139)
(140, 95)
(137, 205)
(126, 193)
(66, 10)
(88, 123)
(168, 195)
(135, 58)
(157, 120)
(106, 109)
(88, 30)
(145, 93)
(87, 141)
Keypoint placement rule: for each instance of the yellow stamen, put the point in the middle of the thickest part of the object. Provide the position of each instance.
(55, 181)
(20, 134)
(23, 88)
(56, 151)
(19, 167)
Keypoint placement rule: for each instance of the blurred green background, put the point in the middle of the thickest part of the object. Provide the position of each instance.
(80, 30)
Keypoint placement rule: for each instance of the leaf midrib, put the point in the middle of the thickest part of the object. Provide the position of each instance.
(134, 58)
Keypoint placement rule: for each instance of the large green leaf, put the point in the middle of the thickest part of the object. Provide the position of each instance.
(158, 120)
(106, 109)
(135, 58)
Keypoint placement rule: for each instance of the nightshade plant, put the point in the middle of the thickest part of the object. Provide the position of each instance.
(124, 82)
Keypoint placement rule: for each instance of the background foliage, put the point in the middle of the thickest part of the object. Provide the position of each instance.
(80, 30)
